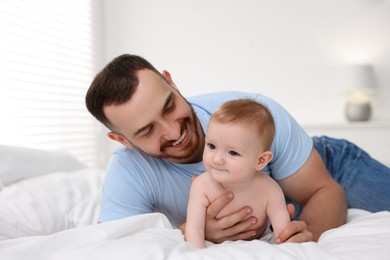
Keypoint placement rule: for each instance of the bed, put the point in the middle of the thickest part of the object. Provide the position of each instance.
(49, 206)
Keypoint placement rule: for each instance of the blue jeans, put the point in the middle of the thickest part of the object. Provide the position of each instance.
(366, 181)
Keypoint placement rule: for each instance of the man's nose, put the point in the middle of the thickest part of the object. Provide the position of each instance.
(171, 130)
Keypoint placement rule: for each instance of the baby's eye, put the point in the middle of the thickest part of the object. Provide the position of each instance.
(211, 146)
(234, 153)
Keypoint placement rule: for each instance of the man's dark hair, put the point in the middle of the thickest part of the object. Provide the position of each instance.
(115, 84)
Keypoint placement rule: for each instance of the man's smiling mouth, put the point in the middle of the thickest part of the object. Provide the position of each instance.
(178, 141)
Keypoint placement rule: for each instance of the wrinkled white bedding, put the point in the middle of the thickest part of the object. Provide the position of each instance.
(53, 216)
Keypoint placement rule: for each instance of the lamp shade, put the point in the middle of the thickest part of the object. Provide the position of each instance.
(362, 77)
(358, 107)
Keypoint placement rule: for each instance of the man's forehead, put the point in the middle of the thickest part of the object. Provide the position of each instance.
(146, 103)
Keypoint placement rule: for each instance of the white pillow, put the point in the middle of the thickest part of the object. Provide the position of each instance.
(50, 203)
(19, 163)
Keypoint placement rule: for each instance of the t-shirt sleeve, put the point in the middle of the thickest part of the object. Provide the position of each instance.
(123, 192)
(291, 146)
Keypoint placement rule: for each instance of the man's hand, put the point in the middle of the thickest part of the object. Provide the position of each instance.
(233, 227)
(296, 231)
(230, 227)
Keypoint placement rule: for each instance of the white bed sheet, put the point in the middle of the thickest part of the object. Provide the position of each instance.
(53, 216)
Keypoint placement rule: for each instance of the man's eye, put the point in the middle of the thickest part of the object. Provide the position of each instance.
(169, 108)
(148, 132)
(211, 146)
(234, 153)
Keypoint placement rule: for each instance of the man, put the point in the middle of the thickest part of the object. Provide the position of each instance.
(163, 140)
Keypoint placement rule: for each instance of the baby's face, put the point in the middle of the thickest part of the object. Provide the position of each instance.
(231, 152)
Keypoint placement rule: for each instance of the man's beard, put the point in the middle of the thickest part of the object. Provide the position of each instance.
(191, 148)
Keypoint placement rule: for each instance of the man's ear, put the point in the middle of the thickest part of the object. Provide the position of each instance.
(168, 78)
(119, 138)
(263, 160)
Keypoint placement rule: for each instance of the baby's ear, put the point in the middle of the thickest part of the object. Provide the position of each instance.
(263, 160)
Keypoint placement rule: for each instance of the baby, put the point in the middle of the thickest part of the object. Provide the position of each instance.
(237, 148)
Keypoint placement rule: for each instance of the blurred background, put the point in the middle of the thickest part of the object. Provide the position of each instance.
(302, 53)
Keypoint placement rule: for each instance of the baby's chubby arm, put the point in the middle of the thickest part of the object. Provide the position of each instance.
(277, 210)
(196, 213)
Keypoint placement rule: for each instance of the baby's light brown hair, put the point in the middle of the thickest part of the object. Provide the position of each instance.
(248, 113)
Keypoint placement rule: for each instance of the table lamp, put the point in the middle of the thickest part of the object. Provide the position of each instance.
(358, 107)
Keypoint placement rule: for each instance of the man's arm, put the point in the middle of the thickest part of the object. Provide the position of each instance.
(322, 198)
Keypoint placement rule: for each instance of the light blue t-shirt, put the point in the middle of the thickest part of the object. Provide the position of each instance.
(137, 183)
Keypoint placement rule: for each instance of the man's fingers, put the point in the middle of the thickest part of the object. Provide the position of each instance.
(296, 232)
(301, 237)
(291, 210)
(238, 225)
(293, 228)
(234, 220)
(239, 231)
(216, 206)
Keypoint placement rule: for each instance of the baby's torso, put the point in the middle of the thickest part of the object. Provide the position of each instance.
(254, 196)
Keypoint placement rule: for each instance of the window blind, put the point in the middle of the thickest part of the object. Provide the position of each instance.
(48, 57)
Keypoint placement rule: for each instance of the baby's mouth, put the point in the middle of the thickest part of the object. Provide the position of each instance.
(218, 169)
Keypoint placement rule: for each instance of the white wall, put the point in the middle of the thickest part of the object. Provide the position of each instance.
(293, 51)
